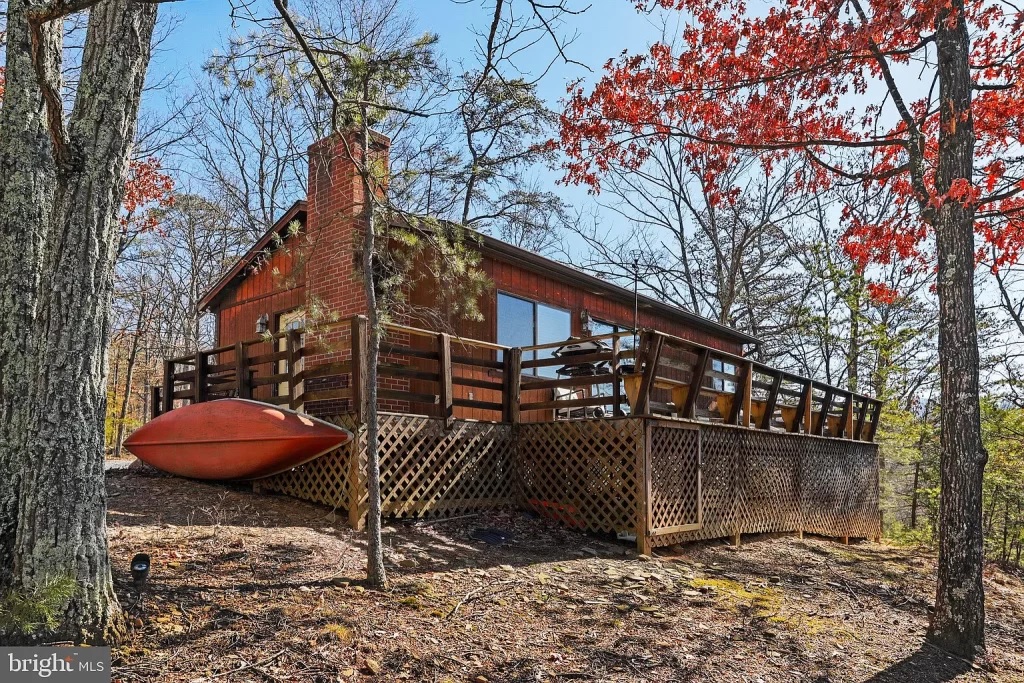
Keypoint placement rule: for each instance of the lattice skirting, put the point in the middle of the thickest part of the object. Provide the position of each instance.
(757, 481)
(587, 474)
(668, 480)
(326, 480)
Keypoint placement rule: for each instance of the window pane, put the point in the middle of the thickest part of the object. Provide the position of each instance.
(553, 325)
(515, 321)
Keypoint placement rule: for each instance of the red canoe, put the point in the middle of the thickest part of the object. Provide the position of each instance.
(233, 439)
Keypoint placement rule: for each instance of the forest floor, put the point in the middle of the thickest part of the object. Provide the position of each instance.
(248, 587)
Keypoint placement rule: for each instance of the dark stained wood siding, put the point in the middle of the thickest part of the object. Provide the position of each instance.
(516, 280)
(279, 285)
(271, 289)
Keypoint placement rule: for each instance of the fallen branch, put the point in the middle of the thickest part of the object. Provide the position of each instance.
(476, 594)
(249, 666)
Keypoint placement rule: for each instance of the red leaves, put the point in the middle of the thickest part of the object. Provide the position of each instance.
(147, 190)
(803, 78)
(881, 293)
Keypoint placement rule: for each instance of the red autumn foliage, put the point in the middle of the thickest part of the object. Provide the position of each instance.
(850, 86)
(147, 190)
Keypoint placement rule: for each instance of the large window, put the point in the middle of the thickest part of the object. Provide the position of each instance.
(525, 323)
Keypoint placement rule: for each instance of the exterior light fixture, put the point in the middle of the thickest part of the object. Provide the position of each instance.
(263, 324)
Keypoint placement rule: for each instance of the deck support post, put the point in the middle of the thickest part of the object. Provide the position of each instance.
(513, 363)
(616, 380)
(360, 342)
(444, 360)
(154, 402)
(243, 389)
(356, 481)
(168, 386)
(646, 502)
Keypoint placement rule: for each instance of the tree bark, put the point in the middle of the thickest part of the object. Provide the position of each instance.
(958, 624)
(62, 503)
(26, 192)
(375, 573)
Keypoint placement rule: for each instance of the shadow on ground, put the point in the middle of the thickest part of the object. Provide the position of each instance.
(928, 663)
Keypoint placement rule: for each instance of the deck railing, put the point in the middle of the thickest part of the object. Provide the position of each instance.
(426, 372)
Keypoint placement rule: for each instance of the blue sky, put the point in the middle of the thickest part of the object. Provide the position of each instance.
(606, 29)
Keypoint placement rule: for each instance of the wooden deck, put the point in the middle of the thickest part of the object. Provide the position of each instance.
(708, 444)
(434, 374)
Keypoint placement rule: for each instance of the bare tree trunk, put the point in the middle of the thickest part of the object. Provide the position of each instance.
(26, 195)
(62, 504)
(958, 624)
(913, 495)
(375, 572)
(133, 355)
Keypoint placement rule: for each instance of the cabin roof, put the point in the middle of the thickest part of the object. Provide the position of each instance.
(296, 212)
(509, 253)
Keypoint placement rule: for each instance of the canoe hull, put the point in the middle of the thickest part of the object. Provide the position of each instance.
(233, 439)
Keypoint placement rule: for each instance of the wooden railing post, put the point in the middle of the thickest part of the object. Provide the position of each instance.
(360, 342)
(769, 404)
(168, 386)
(743, 405)
(876, 415)
(513, 369)
(845, 416)
(649, 354)
(293, 351)
(826, 406)
(243, 389)
(154, 402)
(199, 389)
(700, 368)
(444, 371)
(616, 380)
(803, 409)
(861, 415)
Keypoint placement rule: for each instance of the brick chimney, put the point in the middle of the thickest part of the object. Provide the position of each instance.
(334, 223)
(334, 234)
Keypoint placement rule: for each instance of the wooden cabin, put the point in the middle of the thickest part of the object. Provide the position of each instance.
(307, 256)
(676, 435)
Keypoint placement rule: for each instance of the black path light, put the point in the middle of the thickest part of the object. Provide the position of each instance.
(140, 569)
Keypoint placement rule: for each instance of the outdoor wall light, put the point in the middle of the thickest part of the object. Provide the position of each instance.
(263, 324)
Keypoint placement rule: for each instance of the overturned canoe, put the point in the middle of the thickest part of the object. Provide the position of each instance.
(233, 439)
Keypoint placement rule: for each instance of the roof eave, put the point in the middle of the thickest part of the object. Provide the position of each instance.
(571, 275)
(277, 228)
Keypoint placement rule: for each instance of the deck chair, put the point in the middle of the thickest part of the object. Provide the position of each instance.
(567, 394)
